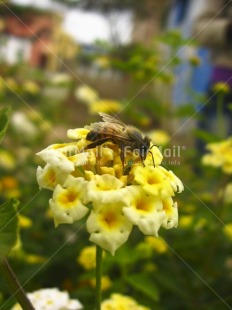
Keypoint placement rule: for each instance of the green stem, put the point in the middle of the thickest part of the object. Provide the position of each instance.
(14, 285)
(99, 252)
(220, 116)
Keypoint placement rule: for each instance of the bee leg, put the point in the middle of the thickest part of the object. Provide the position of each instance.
(152, 156)
(142, 161)
(97, 143)
(122, 155)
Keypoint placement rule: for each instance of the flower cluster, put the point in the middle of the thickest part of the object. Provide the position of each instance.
(94, 183)
(118, 301)
(220, 155)
(51, 299)
(93, 101)
(221, 88)
(87, 257)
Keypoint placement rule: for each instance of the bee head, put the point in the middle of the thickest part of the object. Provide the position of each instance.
(144, 147)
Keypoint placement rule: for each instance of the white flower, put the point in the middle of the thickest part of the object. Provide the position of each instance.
(66, 203)
(153, 180)
(51, 299)
(107, 225)
(175, 182)
(23, 126)
(171, 210)
(61, 78)
(105, 188)
(145, 211)
(56, 159)
(86, 94)
(49, 176)
(77, 133)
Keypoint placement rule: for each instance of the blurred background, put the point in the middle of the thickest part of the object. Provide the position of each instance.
(62, 62)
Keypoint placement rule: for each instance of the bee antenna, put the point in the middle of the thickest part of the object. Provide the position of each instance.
(152, 157)
(153, 146)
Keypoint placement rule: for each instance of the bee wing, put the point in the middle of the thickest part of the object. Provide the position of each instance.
(112, 130)
(111, 119)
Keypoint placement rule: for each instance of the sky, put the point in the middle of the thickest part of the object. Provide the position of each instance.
(86, 27)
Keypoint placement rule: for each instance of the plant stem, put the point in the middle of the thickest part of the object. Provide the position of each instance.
(99, 252)
(14, 285)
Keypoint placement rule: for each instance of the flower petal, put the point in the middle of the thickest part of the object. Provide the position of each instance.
(108, 227)
(145, 211)
(49, 176)
(105, 188)
(66, 204)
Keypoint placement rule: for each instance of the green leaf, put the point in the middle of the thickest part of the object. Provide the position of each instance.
(206, 136)
(185, 110)
(8, 226)
(230, 106)
(168, 282)
(144, 284)
(4, 120)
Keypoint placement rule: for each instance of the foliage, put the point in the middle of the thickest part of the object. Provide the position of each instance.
(194, 270)
(8, 226)
(4, 119)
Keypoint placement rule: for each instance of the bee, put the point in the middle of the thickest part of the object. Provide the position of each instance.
(125, 137)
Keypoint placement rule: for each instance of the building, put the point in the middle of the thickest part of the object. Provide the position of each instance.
(26, 34)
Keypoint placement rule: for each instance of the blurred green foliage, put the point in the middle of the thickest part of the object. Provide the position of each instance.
(195, 271)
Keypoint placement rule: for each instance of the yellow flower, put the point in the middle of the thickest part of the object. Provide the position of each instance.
(145, 211)
(122, 302)
(150, 267)
(102, 62)
(159, 137)
(155, 154)
(105, 283)
(105, 105)
(87, 257)
(31, 87)
(153, 181)
(105, 188)
(10, 187)
(62, 158)
(186, 221)
(86, 94)
(9, 182)
(171, 213)
(95, 182)
(12, 84)
(48, 177)
(221, 87)
(34, 259)
(7, 161)
(175, 182)
(194, 60)
(157, 244)
(77, 133)
(66, 203)
(228, 231)
(201, 223)
(107, 225)
(24, 221)
(61, 79)
(144, 121)
(220, 155)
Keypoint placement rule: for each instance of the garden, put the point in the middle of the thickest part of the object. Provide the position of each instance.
(108, 199)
